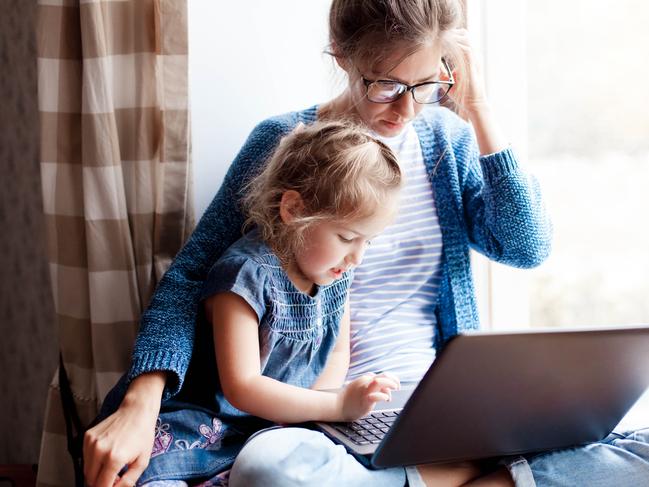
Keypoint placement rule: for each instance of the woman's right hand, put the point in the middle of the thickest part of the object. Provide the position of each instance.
(125, 438)
(359, 396)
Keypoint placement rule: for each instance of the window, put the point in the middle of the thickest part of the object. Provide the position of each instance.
(578, 111)
(588, 118)
(569, 81)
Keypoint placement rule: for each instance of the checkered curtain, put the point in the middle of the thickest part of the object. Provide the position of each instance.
(115, 167)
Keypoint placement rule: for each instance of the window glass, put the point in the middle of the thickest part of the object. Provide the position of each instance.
(588, 109)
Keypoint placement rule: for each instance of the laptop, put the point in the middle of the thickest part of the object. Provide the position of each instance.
(496, 394)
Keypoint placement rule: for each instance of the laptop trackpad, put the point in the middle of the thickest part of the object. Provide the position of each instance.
(399, 398)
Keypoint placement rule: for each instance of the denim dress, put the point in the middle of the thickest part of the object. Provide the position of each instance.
(199, 433)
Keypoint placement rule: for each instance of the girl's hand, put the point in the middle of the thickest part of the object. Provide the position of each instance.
(359, 396)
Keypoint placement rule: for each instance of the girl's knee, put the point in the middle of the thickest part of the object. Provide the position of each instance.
(281, 456)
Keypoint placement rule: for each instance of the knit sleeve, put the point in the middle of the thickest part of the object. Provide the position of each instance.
(504, 211)
(167, 328)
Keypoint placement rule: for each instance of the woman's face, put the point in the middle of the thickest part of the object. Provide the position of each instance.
(389, 119)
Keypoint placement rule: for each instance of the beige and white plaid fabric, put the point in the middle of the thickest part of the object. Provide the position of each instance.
(115, 166)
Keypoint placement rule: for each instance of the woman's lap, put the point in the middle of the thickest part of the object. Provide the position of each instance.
(301, 457)
(621, 459)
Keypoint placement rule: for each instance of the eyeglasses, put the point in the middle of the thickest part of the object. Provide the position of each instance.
(388, 91)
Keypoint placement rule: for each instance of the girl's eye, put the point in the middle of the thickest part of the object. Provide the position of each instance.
(345, 240)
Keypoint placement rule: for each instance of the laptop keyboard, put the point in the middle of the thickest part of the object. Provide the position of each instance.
(368, 430)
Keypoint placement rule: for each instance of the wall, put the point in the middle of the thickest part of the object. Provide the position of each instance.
(28, 352)
(249, 61)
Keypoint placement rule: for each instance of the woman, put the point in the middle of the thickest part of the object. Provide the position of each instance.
(465, 189)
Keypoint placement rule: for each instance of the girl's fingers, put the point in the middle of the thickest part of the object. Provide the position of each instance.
(392, 376)
(383, 386)
(378, 396)
(383, 383)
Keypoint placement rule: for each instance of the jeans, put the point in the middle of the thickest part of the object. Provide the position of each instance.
(620, 460)
(299, 457)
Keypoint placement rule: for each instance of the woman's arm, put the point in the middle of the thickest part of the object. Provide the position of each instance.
(125, 437)
(236, 342)
(503, 209)
(165, 340)
(334, 373)
(475, 105)
(167, 328)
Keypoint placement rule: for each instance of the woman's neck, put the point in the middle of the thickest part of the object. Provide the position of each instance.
(339, 108)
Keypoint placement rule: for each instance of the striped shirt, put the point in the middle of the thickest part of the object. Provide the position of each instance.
(395, 289)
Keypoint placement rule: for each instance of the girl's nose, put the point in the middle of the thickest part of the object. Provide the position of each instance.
(355, 257)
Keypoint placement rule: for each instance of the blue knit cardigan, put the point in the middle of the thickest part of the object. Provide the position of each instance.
(487, 203)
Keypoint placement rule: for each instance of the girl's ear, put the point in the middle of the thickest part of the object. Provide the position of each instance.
(291, 206)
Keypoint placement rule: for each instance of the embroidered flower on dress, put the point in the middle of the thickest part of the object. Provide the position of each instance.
(162, 440)
(186, 445)
(213, 435)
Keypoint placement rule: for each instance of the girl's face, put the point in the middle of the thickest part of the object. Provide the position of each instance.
(331, 247)
(389, 119)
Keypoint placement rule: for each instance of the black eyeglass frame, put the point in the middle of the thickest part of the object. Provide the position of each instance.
(410, 88)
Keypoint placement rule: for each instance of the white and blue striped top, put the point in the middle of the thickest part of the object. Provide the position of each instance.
(395, 288)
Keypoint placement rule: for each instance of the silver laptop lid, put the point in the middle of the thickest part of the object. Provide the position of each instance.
(496, 394)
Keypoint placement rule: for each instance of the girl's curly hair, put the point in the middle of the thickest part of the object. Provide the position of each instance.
(340, 171)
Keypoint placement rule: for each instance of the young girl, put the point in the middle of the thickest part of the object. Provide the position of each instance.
(277, 298)
(276, 301)
(465, 189)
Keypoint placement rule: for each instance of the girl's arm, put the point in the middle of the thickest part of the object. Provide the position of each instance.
(236, 342)
(334, 373)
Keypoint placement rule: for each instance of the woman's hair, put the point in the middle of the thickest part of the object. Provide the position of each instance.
(341, 173)
(370, 31)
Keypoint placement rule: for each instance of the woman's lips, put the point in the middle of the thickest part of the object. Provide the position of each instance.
(393, 125)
